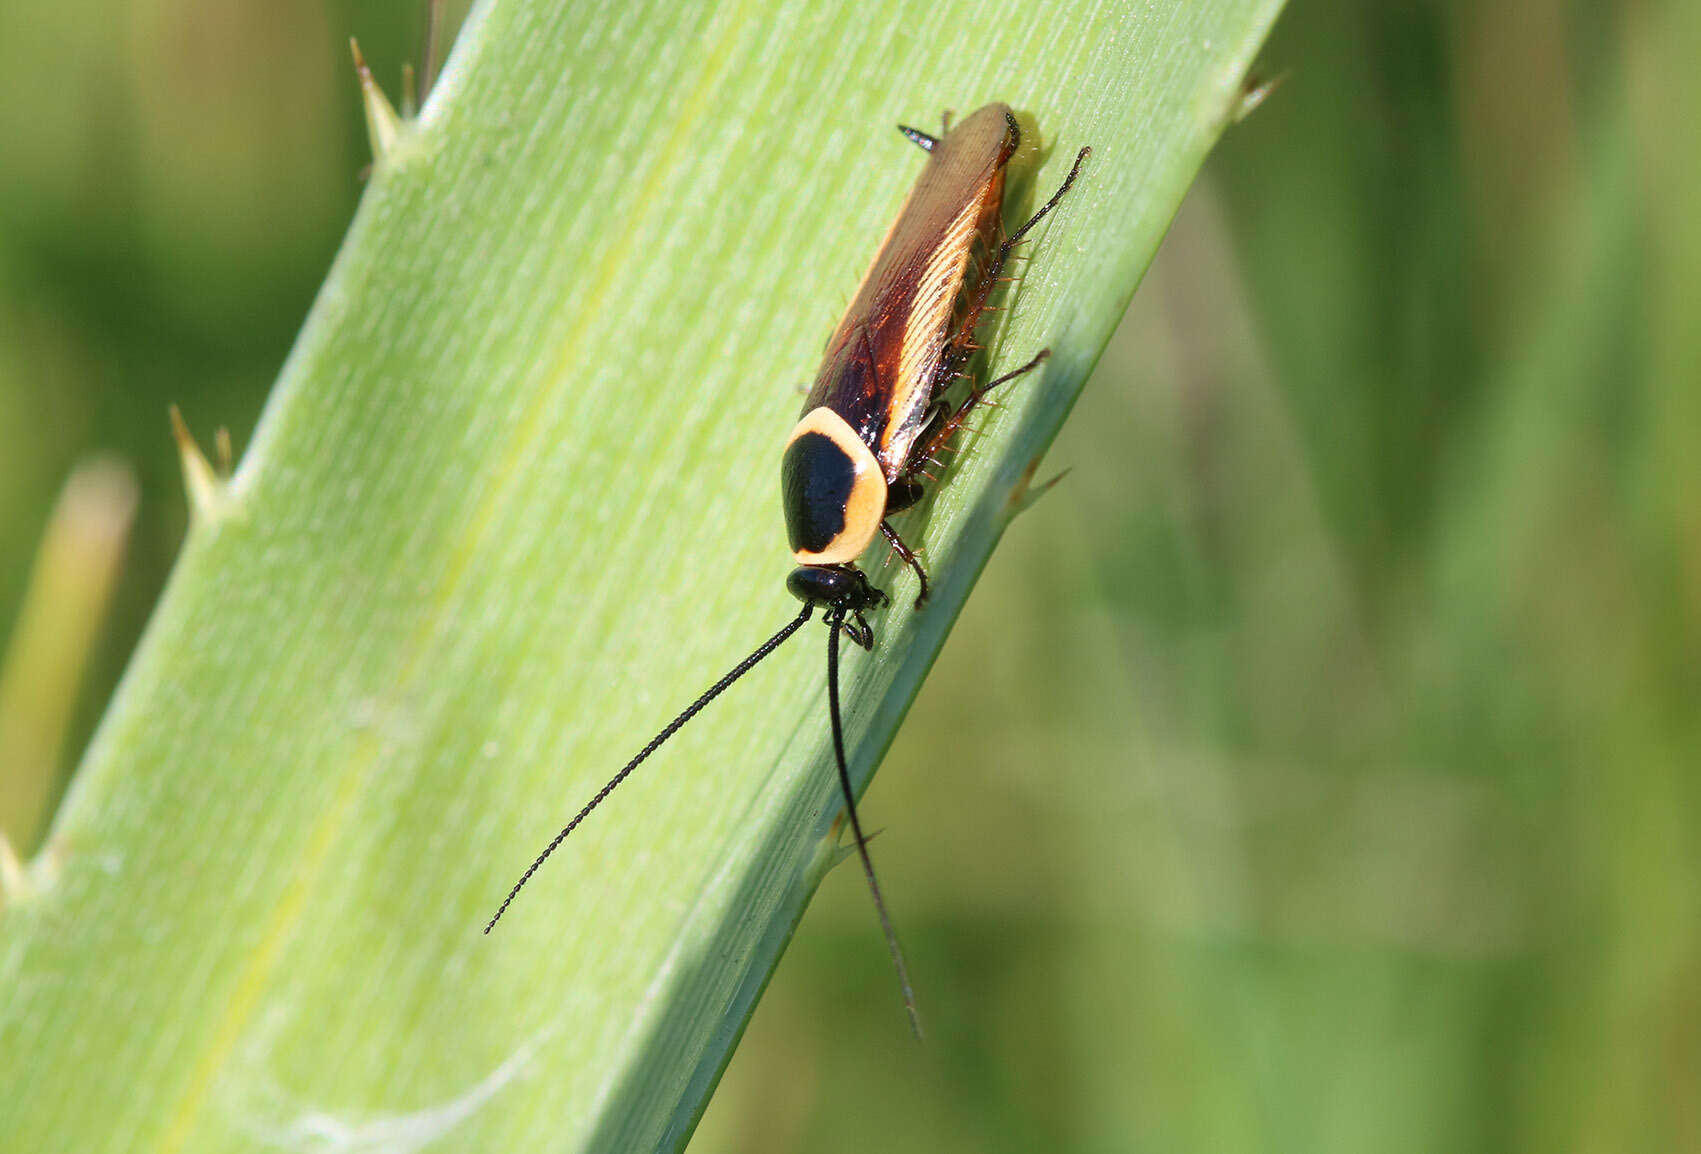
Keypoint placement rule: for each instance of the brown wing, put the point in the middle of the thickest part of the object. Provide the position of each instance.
(880, 363)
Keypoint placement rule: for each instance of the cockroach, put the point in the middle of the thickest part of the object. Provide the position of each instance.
(877, 416)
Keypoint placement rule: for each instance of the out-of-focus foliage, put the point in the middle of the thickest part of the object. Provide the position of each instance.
(1315, 769)
(175, 180)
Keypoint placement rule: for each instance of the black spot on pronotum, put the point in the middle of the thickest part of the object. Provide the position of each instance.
(816, 481)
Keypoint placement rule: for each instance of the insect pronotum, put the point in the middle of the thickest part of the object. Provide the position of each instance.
(877, 416)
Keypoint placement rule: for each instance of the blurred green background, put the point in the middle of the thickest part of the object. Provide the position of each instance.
(1314, 769)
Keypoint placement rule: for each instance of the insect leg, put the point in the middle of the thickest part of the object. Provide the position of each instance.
(961, 345)
(935, 443)
(909, 557)
(1015, 238)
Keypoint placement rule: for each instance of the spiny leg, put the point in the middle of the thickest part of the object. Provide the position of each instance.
(962, 344)
(909, 558)
(907, 489)
(1015, 238)
(936, 443)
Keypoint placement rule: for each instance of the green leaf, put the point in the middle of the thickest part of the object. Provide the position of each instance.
(512, 505)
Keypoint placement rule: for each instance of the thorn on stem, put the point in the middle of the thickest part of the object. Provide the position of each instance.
(200, 482)
(383, 126)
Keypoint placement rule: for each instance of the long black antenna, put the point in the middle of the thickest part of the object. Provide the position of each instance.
(835, 619)
(673, 727)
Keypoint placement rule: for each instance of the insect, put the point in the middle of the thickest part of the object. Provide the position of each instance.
(878, 416)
